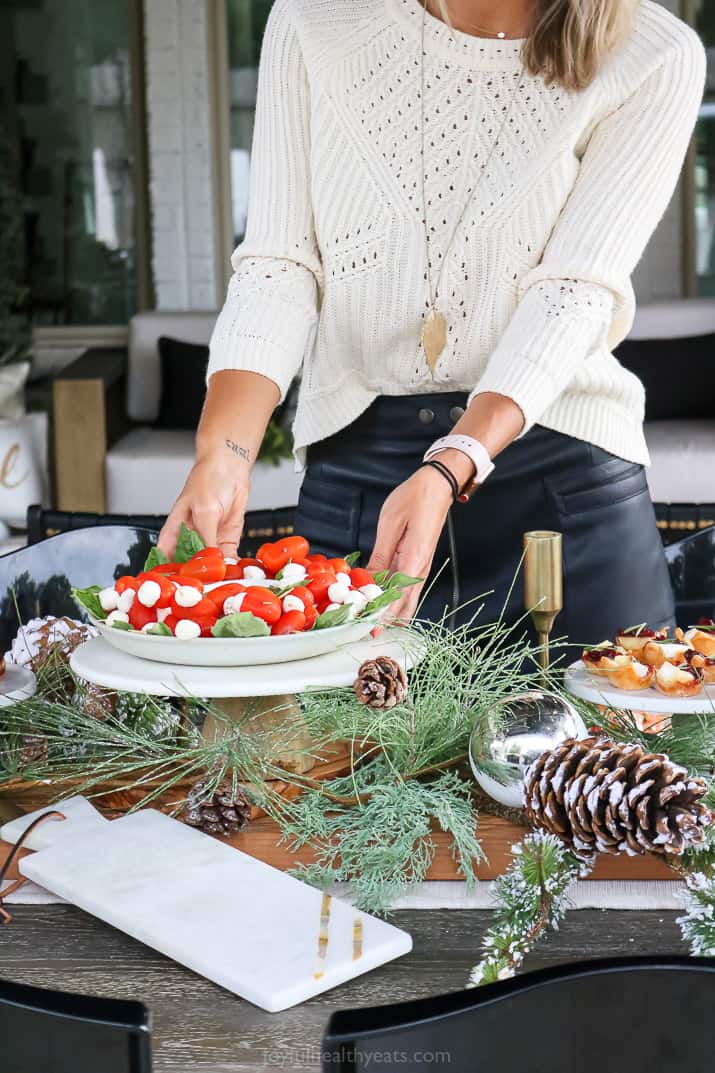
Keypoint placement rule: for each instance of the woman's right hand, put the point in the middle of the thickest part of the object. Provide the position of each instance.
(213, 502)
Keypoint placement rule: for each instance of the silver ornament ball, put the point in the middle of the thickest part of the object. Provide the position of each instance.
(529, 724)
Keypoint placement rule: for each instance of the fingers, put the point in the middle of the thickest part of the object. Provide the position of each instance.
(181, 512)
(206, 518)
(230, 530)
(390, 530)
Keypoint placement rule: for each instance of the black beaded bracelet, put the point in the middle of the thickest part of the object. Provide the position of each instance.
(447, 474)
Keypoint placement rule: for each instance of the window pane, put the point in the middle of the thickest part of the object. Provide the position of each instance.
(705, 161)
(246, 23)
(66, 95)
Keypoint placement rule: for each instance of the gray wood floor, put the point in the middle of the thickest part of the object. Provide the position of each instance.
(198, 1028)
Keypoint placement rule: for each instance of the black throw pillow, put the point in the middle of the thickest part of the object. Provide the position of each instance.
(678, 374)
(183, 383)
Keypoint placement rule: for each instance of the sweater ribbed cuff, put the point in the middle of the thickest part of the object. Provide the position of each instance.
(250, 353)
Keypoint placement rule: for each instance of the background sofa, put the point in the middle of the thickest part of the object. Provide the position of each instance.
(110, 459)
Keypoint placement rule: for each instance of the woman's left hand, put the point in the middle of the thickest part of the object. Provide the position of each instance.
(409, 527)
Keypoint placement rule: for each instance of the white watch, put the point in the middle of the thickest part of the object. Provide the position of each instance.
(474, 450)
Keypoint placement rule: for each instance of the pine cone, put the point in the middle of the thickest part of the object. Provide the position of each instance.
(381, 683)
(33, 750)
(221, 813)
(43, 637)
(98, 701)
(601, 796)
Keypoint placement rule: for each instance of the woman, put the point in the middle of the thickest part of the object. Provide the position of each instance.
(447, 203)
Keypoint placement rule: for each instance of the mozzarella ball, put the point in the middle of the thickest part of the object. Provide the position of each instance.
(126, 600)
(357, 599)
(149, 593)
(292, 573)
(187, 596)
(229, 560)
(162, 613)
(292, 603)
(108, 598)
(338, 593)
(343, 578)
(147, 627)
(186, 630)
(117, 616)
(332, 607)
(371, 591)
(232, 604)
(253, 573)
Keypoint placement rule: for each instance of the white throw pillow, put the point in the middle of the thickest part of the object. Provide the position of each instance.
(23, 451)
(12, 389)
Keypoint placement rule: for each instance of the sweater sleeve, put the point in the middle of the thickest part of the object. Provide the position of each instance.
(270, 312)
(579, 298)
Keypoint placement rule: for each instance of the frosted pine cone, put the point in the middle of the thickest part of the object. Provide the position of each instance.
(33, 750)
(220, 813)
(602, 796)
(42, 637)
(381, 683)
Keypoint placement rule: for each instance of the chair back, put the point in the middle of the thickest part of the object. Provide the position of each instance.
(37, 580)
(54, 1032)
(144, 372)
(691, 562)
(678, 318)
(635, 1015)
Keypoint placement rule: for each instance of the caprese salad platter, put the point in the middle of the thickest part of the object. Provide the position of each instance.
(286, 603)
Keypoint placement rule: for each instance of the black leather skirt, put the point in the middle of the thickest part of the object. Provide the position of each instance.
(615, 573)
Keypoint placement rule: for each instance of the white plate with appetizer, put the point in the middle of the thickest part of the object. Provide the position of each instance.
(206, 610)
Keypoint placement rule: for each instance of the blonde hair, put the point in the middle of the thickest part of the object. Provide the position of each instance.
(571, 39)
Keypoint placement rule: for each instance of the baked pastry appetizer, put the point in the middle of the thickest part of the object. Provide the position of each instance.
(705, 664)
(701, 637)
(635, 638)
(599, 658)
(656, 653)
(682, 681)
(626, 672)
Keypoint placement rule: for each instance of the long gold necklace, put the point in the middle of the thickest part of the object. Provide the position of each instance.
(434, 328)
(480, 29)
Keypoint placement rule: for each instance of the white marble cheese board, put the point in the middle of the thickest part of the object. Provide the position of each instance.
(250, 928)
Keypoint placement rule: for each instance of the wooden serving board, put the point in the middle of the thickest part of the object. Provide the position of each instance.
(261, 840)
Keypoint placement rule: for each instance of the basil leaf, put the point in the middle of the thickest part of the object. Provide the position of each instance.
(159, 629)
(187, 545)
(352, 558)
(155, 557)
(388, 597)
(402, 581)
(119, 625)
(242, 624)
(381, 578)
(89, 600)
(705, 628)
(337, 617)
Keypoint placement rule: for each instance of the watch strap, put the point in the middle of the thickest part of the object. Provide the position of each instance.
(474, 450)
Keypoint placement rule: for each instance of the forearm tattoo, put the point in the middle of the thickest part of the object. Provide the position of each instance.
(242, 452)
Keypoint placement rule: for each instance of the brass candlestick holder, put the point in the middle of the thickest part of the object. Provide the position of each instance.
(543, 584)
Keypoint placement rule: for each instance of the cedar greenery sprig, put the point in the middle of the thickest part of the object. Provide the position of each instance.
(532, 897)
(698, 924)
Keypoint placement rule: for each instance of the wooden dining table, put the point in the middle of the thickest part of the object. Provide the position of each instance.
(199, 1028)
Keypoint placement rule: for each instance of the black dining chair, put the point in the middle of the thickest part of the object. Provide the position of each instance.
(633, 1015)
(37, 580)
(57, 1032)
(692, 572)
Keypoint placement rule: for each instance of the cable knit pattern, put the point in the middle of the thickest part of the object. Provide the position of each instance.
(332, 275)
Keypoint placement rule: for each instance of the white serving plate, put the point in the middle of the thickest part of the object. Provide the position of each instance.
(596, 689)
(236, 651)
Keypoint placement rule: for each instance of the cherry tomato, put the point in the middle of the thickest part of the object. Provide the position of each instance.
(166, 586)
(320, 582)
(304, 595)
(139, 615)
(219, 596)
(165, 568)
(360, 577)
(290, 622)
(170, 622)
(340, 566)
(272, 557)
(207, 565)
(126, 582)
(205, 608)
(311, 613)
(296, 546)
(262, 603)
(193, 582)
(316, 557)
(234, 571)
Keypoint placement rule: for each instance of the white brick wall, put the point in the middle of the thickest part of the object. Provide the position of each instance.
(180, 154)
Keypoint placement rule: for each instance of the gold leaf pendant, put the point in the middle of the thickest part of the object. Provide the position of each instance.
(434, 337)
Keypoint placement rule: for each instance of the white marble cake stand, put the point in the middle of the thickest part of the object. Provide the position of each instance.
(595, 689)
(99, 663)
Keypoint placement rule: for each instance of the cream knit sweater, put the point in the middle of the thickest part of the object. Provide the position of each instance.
(536, 288)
